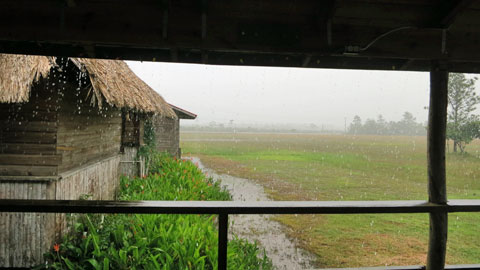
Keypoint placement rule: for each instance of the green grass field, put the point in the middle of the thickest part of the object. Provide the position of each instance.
(338, 167)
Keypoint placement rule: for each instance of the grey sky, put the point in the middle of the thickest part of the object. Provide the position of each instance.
(287, 95)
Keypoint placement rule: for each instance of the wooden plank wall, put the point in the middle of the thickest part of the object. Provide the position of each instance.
(23, 236)
(128, 166)
(167, 134)
(86, 134)
(28, 134)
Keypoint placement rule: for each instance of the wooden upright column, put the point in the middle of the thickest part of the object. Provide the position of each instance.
(437, 191)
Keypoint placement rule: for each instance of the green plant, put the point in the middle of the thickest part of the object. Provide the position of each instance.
(155, 241)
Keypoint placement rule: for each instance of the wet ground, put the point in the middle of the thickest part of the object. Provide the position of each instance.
(268, 233)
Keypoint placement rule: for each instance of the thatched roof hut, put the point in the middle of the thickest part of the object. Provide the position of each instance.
(68, 127)
(112, 82)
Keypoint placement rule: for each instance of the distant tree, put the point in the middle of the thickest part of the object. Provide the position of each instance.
(356, 125)
(406, 126)
(381, 125)
(409, 126)
(462, 101)
(370, 127)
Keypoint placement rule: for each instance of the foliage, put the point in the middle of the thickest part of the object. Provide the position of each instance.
(462, 101)
(148, 150)
(149, 132)
(406, 126)
(155, 241)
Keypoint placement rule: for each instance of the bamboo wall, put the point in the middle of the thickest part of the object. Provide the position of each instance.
(24, 237)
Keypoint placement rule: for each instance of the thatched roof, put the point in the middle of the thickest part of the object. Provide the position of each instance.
(112, 82)
(18, 73)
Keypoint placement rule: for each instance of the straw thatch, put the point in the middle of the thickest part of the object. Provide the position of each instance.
(112, 82)
(18, 73)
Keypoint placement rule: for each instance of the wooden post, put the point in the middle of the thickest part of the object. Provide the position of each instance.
(222, 241)
(437, 191)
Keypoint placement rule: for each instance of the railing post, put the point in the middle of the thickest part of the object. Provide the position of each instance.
(437, 191)
(222, 241)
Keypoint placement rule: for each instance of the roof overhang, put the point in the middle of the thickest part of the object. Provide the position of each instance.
(181, 113)
(356, 34)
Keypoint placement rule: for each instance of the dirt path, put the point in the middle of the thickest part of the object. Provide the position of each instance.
(268, 233)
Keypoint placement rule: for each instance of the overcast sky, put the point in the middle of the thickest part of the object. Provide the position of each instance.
(287, 95)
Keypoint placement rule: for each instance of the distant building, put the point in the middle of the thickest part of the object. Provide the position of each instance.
(167, 130)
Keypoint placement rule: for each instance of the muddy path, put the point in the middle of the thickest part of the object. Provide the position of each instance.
(268, 233)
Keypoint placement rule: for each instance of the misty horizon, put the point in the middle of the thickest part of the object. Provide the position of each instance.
(280, 96)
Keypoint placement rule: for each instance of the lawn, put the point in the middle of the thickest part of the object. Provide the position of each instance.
(339, 167)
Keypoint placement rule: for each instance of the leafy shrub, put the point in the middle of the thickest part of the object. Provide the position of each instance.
(138, 241)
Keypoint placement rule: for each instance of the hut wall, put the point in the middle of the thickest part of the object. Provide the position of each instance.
(98, 181)
(85, 134)
(129, 166)
(53, 147)
(28, 135)
(24, 237)
(167, 134)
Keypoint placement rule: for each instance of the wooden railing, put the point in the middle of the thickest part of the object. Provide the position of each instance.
(223, 209)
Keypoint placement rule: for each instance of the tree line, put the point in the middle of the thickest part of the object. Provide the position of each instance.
(406, 126)
(463, 125)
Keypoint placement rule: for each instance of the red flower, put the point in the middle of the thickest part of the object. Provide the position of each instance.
(56, 247)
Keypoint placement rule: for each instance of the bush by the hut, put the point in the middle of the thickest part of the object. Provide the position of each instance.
(155, 241)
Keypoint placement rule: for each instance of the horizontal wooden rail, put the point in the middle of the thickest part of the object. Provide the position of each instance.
(411, 267)
(231, 207)
(225, 208)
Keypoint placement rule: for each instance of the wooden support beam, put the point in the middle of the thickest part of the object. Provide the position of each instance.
(70, 3)
(222, 241)
(452, 15)
(406, 64)
(437, 192)
(234, 208)
(165, 19)
(204, 19)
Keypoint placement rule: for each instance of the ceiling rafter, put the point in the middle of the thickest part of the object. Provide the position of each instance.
(453, 13)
